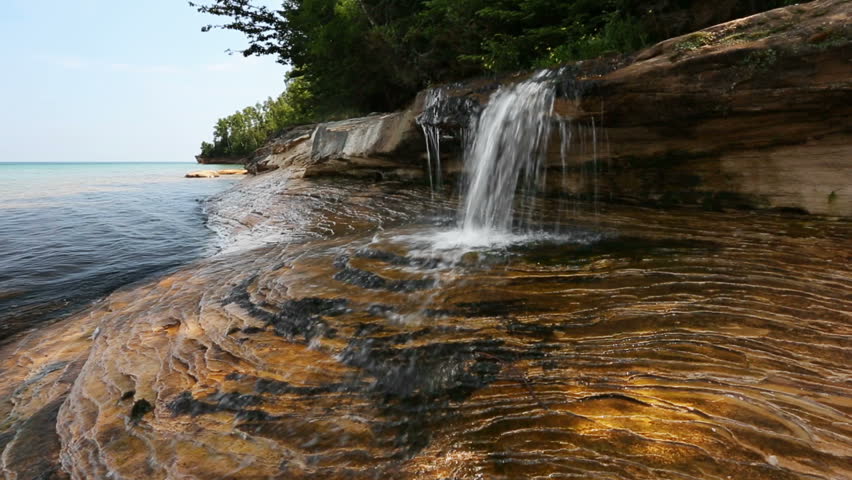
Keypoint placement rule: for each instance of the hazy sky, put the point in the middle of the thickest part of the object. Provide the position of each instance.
(119, 80)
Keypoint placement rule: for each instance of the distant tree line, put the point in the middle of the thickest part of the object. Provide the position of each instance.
(358, 56)
(245, 131)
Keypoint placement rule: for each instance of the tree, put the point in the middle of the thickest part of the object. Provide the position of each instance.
(358, 56)
(245, 131)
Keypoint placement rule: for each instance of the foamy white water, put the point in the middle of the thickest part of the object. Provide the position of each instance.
(508, 148)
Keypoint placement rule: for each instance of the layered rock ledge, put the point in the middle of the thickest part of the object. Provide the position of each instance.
(753, 113)
(646, 345)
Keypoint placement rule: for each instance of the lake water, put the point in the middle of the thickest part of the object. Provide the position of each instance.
(72, 232)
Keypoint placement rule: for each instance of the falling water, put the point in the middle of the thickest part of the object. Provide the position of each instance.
(505, 159)
(432, 133)
(433, 155)
(506, 152)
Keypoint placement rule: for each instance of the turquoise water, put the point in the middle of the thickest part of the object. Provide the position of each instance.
(72, 232)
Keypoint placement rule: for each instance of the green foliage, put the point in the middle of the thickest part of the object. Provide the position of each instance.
(365, 55)
(619, 34)
(374, 55)
(760, 60)
(695, 41)
(245, 131)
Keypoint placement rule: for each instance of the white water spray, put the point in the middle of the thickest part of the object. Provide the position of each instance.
(505, 163)
(508, 151)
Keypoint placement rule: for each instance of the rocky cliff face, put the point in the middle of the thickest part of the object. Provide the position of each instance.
(752, 113)
(380, 146)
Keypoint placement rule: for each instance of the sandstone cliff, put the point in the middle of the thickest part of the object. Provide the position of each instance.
(753, 113)
(378, 146)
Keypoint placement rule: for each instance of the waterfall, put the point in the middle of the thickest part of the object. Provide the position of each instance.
(507, 152)
(505, 147)
(432, 133)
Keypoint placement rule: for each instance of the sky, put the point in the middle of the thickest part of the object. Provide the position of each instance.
(119, 80)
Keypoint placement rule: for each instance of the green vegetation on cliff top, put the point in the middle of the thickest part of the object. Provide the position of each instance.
(358, 56)
(247, 130)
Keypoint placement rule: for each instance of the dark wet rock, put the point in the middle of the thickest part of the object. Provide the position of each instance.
(235, 401)
(372, 281)
(185, 404)
(379, 310)
(361, 278)
(303, 317)
(140, 408)
(449, 371)
(451, 113)
(394, 259)
(274, 387)
(35, 446)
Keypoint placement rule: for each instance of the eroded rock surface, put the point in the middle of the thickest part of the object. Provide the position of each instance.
(637, 344)
(378, 146)
(334, 340)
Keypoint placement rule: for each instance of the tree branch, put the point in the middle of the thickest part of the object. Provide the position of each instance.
(366, 13)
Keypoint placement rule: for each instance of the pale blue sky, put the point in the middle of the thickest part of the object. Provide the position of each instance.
(119, 80)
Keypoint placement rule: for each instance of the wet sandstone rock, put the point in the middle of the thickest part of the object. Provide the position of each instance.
(653, 345)
(376, 146)
(650, 345)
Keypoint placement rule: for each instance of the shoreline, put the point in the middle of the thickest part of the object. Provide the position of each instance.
(63, 279)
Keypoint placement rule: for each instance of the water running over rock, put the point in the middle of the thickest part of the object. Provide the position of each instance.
(506, 151)
(432, 133)
(686, 349)
(679, 344)
(505, 148)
